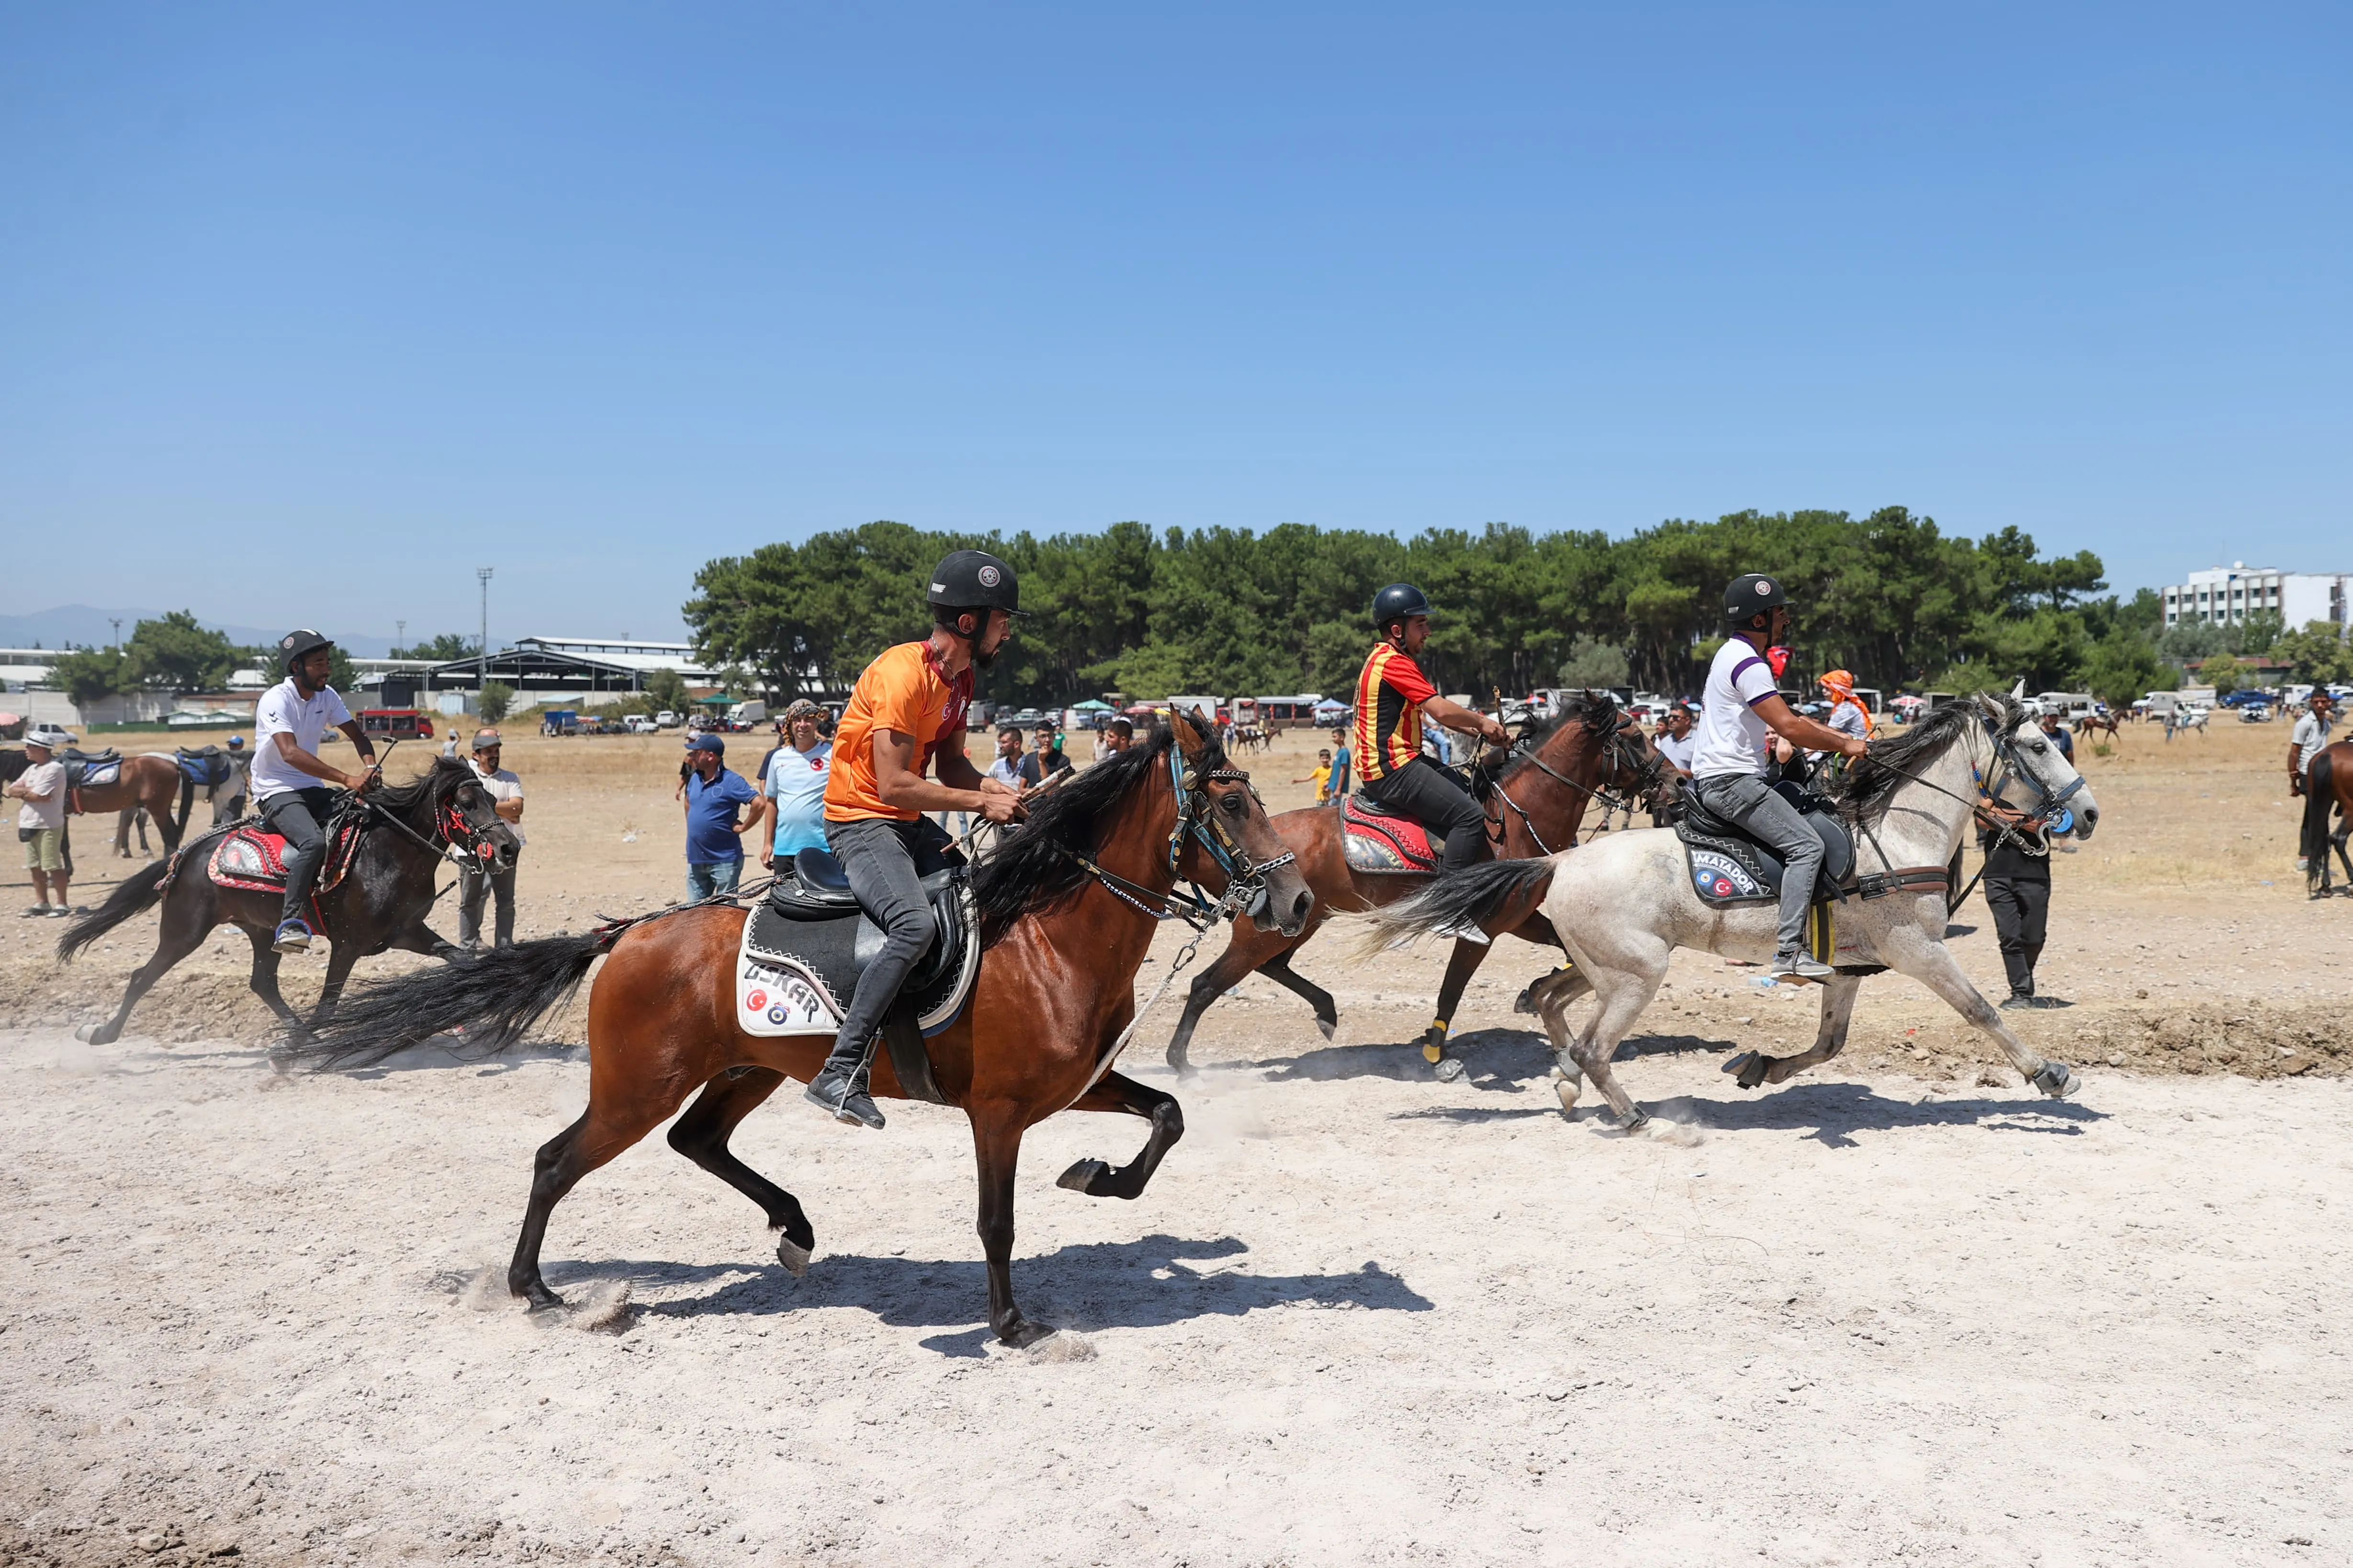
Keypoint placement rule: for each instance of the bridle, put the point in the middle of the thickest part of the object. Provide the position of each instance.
(1246, 889)
(1620, 753)
(2008, 765)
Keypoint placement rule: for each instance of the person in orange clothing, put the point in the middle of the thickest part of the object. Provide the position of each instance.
(1392, 698)
(905, 718)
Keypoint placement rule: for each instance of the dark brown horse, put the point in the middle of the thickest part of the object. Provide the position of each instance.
(1555, 770)
(1062, 934)
(380, 903)
(150, 780)
(2327, 786)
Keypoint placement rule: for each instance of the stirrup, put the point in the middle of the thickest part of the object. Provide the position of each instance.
(300, 941)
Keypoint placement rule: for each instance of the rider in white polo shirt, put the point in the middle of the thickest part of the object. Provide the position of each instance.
(289, 780)
(1739, 707)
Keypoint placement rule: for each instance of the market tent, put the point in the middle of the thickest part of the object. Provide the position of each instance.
(1091, 706)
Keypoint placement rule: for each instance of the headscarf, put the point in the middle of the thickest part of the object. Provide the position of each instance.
(1841, 686)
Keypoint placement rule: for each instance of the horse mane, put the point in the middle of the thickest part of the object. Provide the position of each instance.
(1597, 710)
(427, 789)
(1863, 790)
(1032, 869)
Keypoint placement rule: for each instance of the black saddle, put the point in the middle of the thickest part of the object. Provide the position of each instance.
(80, 764)
(810, 919)
(1728, 867)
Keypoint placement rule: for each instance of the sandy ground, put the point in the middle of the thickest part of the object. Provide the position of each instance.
(1901, 1308)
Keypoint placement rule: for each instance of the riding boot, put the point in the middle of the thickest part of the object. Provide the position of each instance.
(840, 1086)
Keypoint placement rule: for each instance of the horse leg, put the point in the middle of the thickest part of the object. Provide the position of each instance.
(123, 820)
(1933, 964)
(263, 983)
(1548, 998)
(181, 932)
(1116, 1092)
(1830, 1038)
(603, 1130)
(1247, 949)
(1277, 969)
(341, 957)
(1464, 964)
(419, 936)
(1623, 993)
(702, 1135)
(996, 1150)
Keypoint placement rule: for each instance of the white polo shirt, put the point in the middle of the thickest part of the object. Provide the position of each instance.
(1732, 738)
(283, 710)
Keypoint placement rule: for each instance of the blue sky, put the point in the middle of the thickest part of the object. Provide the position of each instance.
(306, 312)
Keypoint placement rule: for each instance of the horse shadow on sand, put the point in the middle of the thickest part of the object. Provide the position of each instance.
(1495, 1061)
(451, 1053)
(1155, 1281)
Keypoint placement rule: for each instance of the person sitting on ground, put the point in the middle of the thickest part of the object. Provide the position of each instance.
(794, 794)
(289, 779)
(1741, 705)
(41, 820)
(1393, 700)
(1321, 777)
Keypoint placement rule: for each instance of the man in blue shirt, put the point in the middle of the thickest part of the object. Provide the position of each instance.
(714, 837)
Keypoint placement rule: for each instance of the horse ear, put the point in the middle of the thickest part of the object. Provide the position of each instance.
(1192, 737)
(2018, 692)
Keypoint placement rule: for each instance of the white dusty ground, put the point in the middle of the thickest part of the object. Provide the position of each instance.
(1360, 1317)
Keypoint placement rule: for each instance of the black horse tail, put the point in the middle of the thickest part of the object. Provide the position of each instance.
(2319, 796)
(493, 997)
(138, 892)
(187, 798)
(1473, 896)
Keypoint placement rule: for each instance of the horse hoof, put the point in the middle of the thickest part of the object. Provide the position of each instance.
(2057, 1080)
(1330, 1027)
(88, 1034)
(1567, 1088)
(793, 1256)
(1448, 1068)
(1021, 1333)
(1079, 1176)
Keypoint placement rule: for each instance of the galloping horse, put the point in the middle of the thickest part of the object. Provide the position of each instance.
(1625, 903)
(2091, 721)
(2328, 783)
(1067, 908)
(150, 780)
(1581, 755)
(408, 832)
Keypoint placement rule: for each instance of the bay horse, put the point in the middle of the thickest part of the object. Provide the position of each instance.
(1624, 904)
(2090, 723)
(1067, 907)
(149, 780)
(408, 831)
(2327, 784)
(1534, 799)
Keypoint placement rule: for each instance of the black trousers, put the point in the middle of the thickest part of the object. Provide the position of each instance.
(300, 817)
(884, 860)
(1441, 802)
(2021, 913)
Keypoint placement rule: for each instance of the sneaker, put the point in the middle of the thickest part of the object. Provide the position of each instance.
(1466, 931)
(38, 911)
(59, 912)
(293, 936)
(1800, 966)
(844, 1094)
(2018, 999)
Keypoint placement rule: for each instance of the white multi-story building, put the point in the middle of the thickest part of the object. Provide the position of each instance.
(2225, 596)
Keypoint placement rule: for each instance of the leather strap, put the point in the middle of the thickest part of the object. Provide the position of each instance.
(911, 1059)
(1880, 884)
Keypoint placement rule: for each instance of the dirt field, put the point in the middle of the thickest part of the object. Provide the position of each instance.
(1904, 1308)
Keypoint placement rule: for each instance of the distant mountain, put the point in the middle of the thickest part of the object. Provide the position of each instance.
(83, 624)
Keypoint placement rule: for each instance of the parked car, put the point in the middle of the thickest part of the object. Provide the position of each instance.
(640, 724)
(2254, 715)
(2248, 698)
(666, 720)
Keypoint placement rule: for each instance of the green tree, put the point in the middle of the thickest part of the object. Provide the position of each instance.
(445, 648)
(88, 676)
(2122, 665)
(1594, 663)
(176, 653)
(2317, 653)
(2224, 674)
(495, 699)
(666, 687)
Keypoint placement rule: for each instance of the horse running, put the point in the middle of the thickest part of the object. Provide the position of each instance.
(1067, 908)
(150, 781)
(1625, 903)
(1585, 751)
(409, 830)
(2327, 784)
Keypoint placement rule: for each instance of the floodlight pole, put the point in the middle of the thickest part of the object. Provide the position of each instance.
(482, 649)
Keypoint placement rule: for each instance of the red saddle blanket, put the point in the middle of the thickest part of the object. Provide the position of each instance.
(1381, 845)
(254, 858)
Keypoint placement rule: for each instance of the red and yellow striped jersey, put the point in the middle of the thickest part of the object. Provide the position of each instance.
(1389, 695)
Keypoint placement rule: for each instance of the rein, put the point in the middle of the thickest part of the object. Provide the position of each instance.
(1245, 877)
(1615, 750)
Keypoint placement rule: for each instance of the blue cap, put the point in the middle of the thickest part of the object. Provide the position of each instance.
(237, 740)
(706, 742)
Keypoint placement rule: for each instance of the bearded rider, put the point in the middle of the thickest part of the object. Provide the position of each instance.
(907, 716)
(1740, 706)
(289, 779)
(1393, 696)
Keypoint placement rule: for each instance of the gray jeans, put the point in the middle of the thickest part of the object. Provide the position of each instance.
(474, 883)
(1752, 803)
(880, 857)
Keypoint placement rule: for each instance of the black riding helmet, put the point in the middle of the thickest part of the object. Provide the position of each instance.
(1395, 603)
(1752, 594)
(294, 645)
(975, 580)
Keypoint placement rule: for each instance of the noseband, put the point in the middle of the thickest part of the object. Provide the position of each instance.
(1246, 891)
(1616, 748)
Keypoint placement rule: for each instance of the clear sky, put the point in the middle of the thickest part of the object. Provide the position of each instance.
(306, 310)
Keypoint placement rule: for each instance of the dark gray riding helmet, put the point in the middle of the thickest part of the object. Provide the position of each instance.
(295, 644)
(1750, 594)
(1395, 603)
(975, 580)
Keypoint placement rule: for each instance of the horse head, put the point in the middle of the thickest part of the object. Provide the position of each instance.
(1229, 825)
(2051, 787)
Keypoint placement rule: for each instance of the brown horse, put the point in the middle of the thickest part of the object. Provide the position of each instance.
(2328, 786)
(150, 780)
(1587, 751)
(2098, 722)
(1066, 909)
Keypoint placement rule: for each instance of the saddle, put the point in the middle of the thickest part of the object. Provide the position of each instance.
(807, 943)
(1379, 842)
(206, 767)
(251, 857)
(92, 770)
(1729, 867)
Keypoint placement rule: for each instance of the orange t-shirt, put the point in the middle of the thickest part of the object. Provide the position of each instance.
(904, 690)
